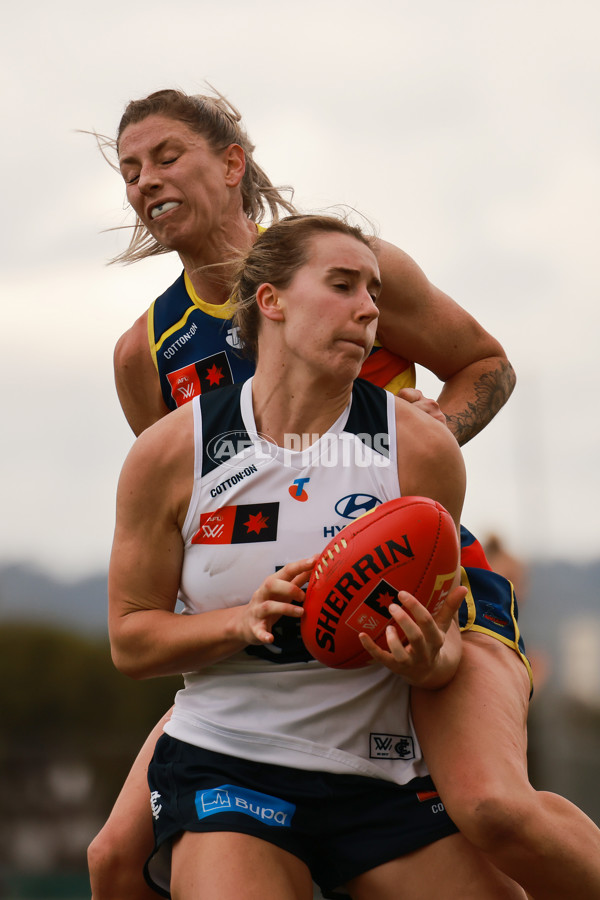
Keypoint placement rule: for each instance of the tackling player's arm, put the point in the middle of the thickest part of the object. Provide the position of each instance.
(136, 378)
(419, 322)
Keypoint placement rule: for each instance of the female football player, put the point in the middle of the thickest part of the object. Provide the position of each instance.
(265, 778)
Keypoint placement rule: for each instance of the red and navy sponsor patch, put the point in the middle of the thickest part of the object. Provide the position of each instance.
(199, 377)
(248, 523)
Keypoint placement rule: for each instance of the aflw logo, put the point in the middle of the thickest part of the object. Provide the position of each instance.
(187, 391)
(212, 531)
(244, 523)
(392, 746)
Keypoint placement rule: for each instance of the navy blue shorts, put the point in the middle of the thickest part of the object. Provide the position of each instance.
(339, 825)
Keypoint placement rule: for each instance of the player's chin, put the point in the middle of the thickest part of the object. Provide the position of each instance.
(349, 362)
(169, 239)
(354, 349)
(339, 374)
(170, 234)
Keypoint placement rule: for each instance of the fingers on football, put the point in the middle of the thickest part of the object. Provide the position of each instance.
(268, 613)
(287, 583)
(298, 572)
(284, 605)
(416, 623)
(373, 649)
(408, 611)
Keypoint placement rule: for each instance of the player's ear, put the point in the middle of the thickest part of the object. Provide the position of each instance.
(267, 299)
(235, 164)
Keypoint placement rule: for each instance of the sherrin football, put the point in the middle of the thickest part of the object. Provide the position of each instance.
(407, 544)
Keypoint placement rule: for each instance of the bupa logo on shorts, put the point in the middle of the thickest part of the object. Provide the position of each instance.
(392, 746)
(354, 505)
(231, 799)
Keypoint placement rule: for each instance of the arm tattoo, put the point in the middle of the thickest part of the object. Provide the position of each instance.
(492, 390)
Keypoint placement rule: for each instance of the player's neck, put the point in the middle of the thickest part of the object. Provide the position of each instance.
(211, 264)
(283, 408)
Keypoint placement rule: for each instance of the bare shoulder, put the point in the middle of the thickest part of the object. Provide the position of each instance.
(424, 432)
(159, 467)
(133, 344)
(162, 444)
(136, 378)
(430, 462)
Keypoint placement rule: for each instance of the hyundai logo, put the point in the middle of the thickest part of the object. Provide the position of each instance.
(354, 505)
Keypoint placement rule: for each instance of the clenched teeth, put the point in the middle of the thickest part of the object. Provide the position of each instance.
(163, 208)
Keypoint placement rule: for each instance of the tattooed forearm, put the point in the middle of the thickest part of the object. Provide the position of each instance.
(492, 390)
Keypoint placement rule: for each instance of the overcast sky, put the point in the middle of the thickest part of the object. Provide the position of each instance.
(468, 131)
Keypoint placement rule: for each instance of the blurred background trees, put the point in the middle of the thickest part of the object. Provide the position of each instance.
(72, 725)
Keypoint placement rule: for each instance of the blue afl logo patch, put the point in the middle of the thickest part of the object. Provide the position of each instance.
(354, 505)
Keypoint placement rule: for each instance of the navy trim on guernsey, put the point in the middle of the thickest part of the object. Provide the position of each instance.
(221, 416)
(201, 342)
(369, 405)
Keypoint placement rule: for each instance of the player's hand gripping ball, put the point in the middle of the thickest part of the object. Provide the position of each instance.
(408, 544)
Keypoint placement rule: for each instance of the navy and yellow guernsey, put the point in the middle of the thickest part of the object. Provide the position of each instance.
(490, 606)
(196, 348)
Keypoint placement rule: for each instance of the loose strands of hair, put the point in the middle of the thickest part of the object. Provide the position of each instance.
(220, 123)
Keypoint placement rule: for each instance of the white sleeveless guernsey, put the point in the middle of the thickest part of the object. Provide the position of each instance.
(254, 507)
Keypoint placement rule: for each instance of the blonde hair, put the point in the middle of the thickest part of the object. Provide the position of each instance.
(274, 258)
(219, 122)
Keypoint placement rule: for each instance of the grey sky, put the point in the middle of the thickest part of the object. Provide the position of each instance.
(469, 134)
